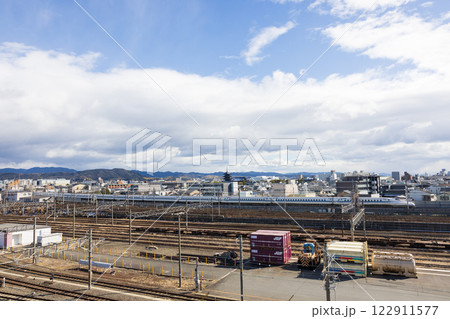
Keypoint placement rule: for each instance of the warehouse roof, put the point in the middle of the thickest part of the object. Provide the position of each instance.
(9, 227)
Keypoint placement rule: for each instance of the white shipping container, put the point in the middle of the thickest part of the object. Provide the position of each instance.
(348, 252)
(49, 239)
(358, 270)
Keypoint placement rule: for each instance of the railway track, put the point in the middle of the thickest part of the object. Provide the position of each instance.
(14, 281)
(164, 294)
(121, 210)
(163, 233)
(429, 249)
(223, 228)
(9, 296)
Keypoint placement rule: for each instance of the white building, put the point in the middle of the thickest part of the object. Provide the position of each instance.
(144, 188)
(12, 235)
(419, 195)
(54, 182)
(283, 190)
(19, 196)
(246, 194)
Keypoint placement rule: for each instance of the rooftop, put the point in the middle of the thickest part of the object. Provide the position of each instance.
(19, 227)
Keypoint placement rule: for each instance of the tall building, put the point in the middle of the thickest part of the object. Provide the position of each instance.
(365, 184)
(396, 176)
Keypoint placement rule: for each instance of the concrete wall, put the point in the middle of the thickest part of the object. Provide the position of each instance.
(23, 237)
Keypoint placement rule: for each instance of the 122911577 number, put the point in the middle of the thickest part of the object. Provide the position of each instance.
(412, 310)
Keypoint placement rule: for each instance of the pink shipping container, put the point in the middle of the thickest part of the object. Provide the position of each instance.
(270, 247)
(270, 256)
(270, 238)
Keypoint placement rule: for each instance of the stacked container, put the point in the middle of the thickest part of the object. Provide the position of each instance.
(347, 257)
(270, 247)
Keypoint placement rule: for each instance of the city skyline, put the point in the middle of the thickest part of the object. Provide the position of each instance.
(367, 81)
(53, 171)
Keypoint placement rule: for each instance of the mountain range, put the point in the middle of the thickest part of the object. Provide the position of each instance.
(119, 173)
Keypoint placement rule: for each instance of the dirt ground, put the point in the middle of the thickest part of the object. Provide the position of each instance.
(160, 249)
(127, 275)
(124, 275)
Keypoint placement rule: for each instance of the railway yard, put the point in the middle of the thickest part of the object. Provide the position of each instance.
(140, 243)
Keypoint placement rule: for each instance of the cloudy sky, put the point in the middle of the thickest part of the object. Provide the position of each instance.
(341, 84)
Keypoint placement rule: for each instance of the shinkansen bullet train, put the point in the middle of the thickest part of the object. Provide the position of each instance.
(367, 201)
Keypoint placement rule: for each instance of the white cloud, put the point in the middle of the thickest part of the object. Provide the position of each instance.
(397, 36)
(265, 37)
(57, 110)
(344, 8)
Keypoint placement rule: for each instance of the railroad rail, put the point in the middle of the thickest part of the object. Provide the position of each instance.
(429, 248)
(14, 281)
(9, 296)
(166, 294)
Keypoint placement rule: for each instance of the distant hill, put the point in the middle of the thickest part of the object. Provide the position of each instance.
(119, 173)
(54, 172)
(107, 174)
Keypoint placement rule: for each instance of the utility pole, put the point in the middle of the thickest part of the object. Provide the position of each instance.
(73, 231)
(196, 275)
(129, 226)
(212, 210)
(179, 250)
(327, 286)
(352, 229)
(54, 210)
(242, 267)
(407, 197)
(90, 260)
(46, 213)
(96, 210)
(364, 225)
(112, 211)
(186, 212)
(34, 241)
(327, 275)
(239, 197)
(356, 208)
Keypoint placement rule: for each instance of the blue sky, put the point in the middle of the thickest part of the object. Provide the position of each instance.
(375, 100)
(201, 37)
